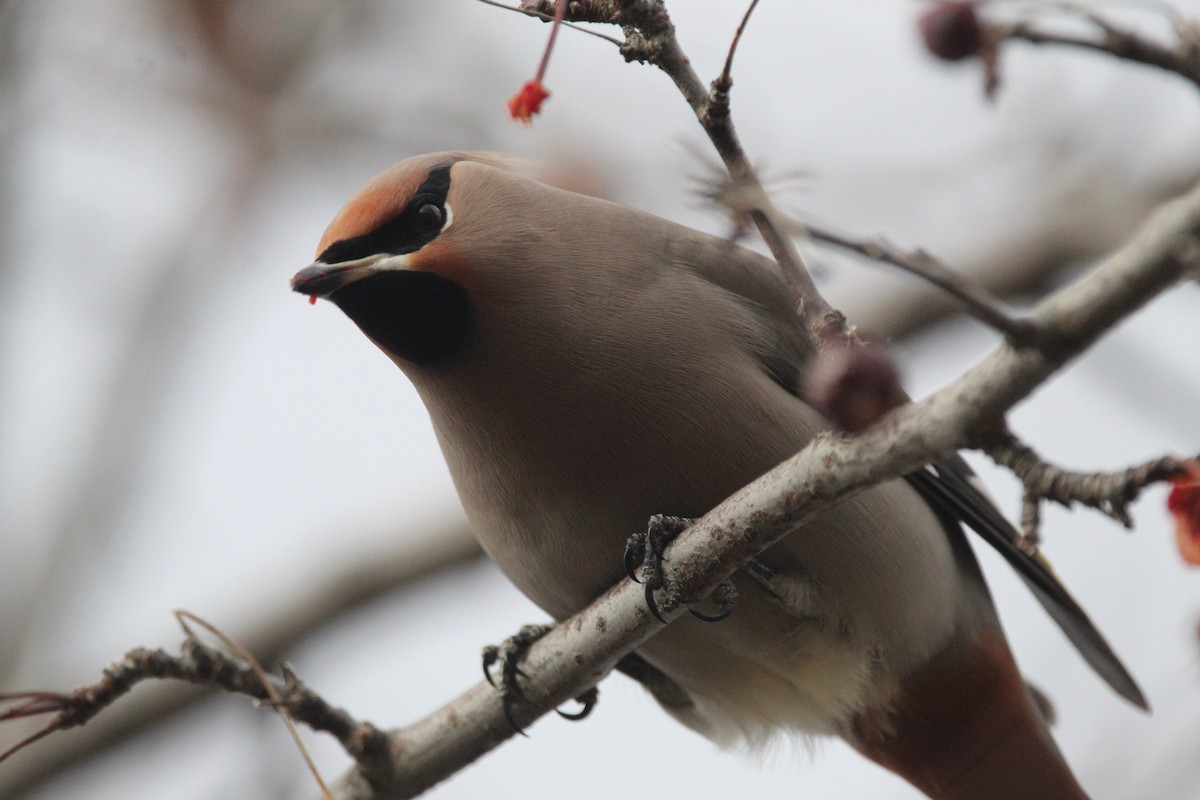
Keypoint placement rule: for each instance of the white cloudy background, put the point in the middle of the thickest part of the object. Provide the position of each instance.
(177, 429)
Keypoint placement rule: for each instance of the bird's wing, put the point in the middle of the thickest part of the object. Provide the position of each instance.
(949, 486)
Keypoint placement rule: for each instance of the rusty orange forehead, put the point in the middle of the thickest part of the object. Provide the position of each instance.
(379, 199)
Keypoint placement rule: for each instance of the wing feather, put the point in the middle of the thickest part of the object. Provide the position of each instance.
(949, 487)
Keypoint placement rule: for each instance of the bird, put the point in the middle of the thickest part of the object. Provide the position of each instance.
(586, 365)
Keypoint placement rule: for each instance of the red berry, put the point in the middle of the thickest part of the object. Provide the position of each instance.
(528, 101)
(1184, 503)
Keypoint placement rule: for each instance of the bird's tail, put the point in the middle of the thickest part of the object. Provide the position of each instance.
(966, 728)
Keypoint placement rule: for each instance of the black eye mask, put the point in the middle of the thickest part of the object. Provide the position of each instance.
(417, 224)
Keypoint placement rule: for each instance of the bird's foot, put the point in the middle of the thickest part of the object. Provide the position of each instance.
(649, 547)
(508, 655)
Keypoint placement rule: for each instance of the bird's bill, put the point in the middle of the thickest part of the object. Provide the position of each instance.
(319, 279)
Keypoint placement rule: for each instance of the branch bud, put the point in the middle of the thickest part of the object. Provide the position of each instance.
(951, 30)
(853, 386)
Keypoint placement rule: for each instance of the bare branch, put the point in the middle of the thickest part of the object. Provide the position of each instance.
(240, 651)
(741, 199)
(342, 591)
(957, 29)
(975, 300)
(1183, 59)
(532, 12)
(726, 78)
(1108, 492)
(200, 665)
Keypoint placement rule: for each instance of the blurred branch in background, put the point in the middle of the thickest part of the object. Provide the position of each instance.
(248, 56)
(273, 629)
(168, 311)
(1084, 224)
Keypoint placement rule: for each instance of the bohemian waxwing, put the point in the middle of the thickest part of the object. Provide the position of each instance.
(586, 366)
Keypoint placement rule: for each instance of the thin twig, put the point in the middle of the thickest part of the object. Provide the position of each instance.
(1031, 524)
(977, 301)
(532, 12)
(205, 666)
(235, 647)
(1183, 59)
(726, 78)
(557, 20)
(1111, 493)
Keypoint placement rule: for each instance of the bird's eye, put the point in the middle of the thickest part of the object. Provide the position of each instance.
(430, 218)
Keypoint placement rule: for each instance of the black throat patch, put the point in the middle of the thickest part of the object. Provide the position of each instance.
(422, 318)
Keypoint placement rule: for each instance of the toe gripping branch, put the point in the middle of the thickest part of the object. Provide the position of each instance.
(649, 548)
(509, 654)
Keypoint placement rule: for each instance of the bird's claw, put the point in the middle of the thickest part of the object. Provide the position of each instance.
(508, 655)
(649, 547)
(587, 700)
(651, 604)
(726, 595)
(635, 553)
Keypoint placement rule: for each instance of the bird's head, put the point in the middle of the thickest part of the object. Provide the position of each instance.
(403, 257)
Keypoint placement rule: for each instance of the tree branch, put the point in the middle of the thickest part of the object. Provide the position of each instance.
(198, 664)
(532, 12)
(340, 591)
(1183, 59)
(974, 299)
(1108, 492)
